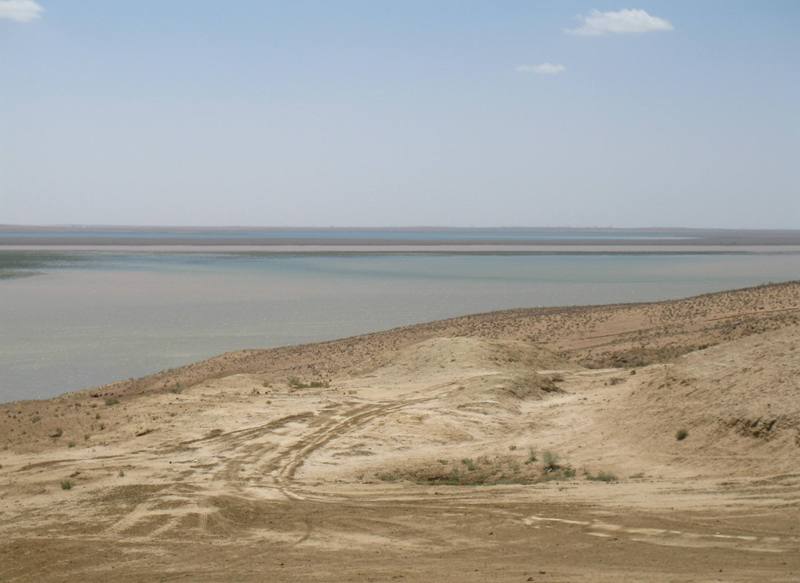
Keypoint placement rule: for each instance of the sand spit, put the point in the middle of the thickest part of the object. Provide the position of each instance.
(647, 442)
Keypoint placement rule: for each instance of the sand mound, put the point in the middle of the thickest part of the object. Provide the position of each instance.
(738, 403)
(448, 355)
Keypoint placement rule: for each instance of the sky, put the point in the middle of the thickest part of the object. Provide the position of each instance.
(378, 113)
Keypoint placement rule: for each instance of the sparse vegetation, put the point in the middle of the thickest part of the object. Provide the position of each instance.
(58, 432)
(601, 477)
(296, 383)
(111, 401)
(483, 471)
(66, 485)
(550, 460)
(553, 468)
(532, 385)
(564, 472)
(681, 434)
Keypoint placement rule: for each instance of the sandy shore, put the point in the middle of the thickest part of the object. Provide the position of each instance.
(646, 442)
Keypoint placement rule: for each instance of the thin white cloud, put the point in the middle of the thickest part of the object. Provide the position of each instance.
(542, 69)
(20, 10)
(620, 22)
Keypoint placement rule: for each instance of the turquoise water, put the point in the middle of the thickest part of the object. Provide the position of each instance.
(83, 319)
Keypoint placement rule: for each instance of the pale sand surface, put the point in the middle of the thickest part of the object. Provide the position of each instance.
(421, 455)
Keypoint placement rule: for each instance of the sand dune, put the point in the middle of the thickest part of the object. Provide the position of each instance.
(650, 442)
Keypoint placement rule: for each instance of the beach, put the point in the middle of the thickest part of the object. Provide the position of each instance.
(647, 441)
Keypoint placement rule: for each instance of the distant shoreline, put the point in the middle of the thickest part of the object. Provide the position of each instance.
(365, 248)
(405, 239)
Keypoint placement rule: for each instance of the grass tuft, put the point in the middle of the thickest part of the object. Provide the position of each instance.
(483, 471)
(550, 460)
(296, 383)
(601, 477)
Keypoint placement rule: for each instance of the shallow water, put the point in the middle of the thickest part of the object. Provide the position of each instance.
(90, 318)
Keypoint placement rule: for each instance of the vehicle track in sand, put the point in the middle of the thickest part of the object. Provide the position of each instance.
(249, 462)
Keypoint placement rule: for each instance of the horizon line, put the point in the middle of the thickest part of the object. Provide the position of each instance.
(379, 227)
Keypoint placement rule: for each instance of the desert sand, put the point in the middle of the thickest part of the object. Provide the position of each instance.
(645, 442)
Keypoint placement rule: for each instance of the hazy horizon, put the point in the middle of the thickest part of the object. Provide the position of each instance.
(382, 227)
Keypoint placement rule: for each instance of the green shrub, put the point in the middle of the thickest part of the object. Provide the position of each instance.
(681, 434)
(296, 383)
(601, 477)
(481, 471)
(550, 460)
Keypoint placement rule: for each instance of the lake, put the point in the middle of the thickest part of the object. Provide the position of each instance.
(74, 319)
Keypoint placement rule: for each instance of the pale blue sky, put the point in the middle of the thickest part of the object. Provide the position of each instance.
(400, 113)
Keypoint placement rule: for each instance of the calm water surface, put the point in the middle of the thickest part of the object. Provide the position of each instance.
(72, 320)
